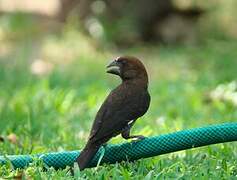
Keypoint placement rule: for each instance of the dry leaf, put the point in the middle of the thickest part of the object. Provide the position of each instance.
(13, 138)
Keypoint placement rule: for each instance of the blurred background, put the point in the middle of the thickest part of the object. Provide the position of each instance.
(52, 68)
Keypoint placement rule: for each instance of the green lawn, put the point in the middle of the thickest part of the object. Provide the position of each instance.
(54, 112)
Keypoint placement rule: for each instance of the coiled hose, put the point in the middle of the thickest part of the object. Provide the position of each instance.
(148, 147)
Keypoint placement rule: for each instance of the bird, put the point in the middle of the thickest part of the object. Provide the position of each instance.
(122, 107)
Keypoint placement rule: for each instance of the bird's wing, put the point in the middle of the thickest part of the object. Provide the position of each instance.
(112, 117)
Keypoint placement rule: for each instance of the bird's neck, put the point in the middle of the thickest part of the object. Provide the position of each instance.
(137, 82)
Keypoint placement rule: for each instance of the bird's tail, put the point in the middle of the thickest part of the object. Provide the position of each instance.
(87, 154)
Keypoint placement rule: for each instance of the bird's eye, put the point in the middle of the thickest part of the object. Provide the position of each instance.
(122, 61)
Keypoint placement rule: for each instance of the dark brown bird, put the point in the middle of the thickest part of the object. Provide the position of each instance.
(127, 102)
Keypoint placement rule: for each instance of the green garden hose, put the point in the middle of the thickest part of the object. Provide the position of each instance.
(148, 147)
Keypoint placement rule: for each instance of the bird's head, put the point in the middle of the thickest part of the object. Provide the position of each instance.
(127, 68)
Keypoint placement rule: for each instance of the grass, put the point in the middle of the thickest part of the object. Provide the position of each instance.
(54, 111)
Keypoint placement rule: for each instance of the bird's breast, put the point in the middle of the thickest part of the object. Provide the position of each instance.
(136, 102)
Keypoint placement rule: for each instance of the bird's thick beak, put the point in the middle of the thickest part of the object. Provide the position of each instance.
(113, 68)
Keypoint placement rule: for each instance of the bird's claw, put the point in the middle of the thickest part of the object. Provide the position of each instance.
(138, 138)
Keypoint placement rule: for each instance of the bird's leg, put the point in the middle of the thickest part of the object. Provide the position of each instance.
(126, 132)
